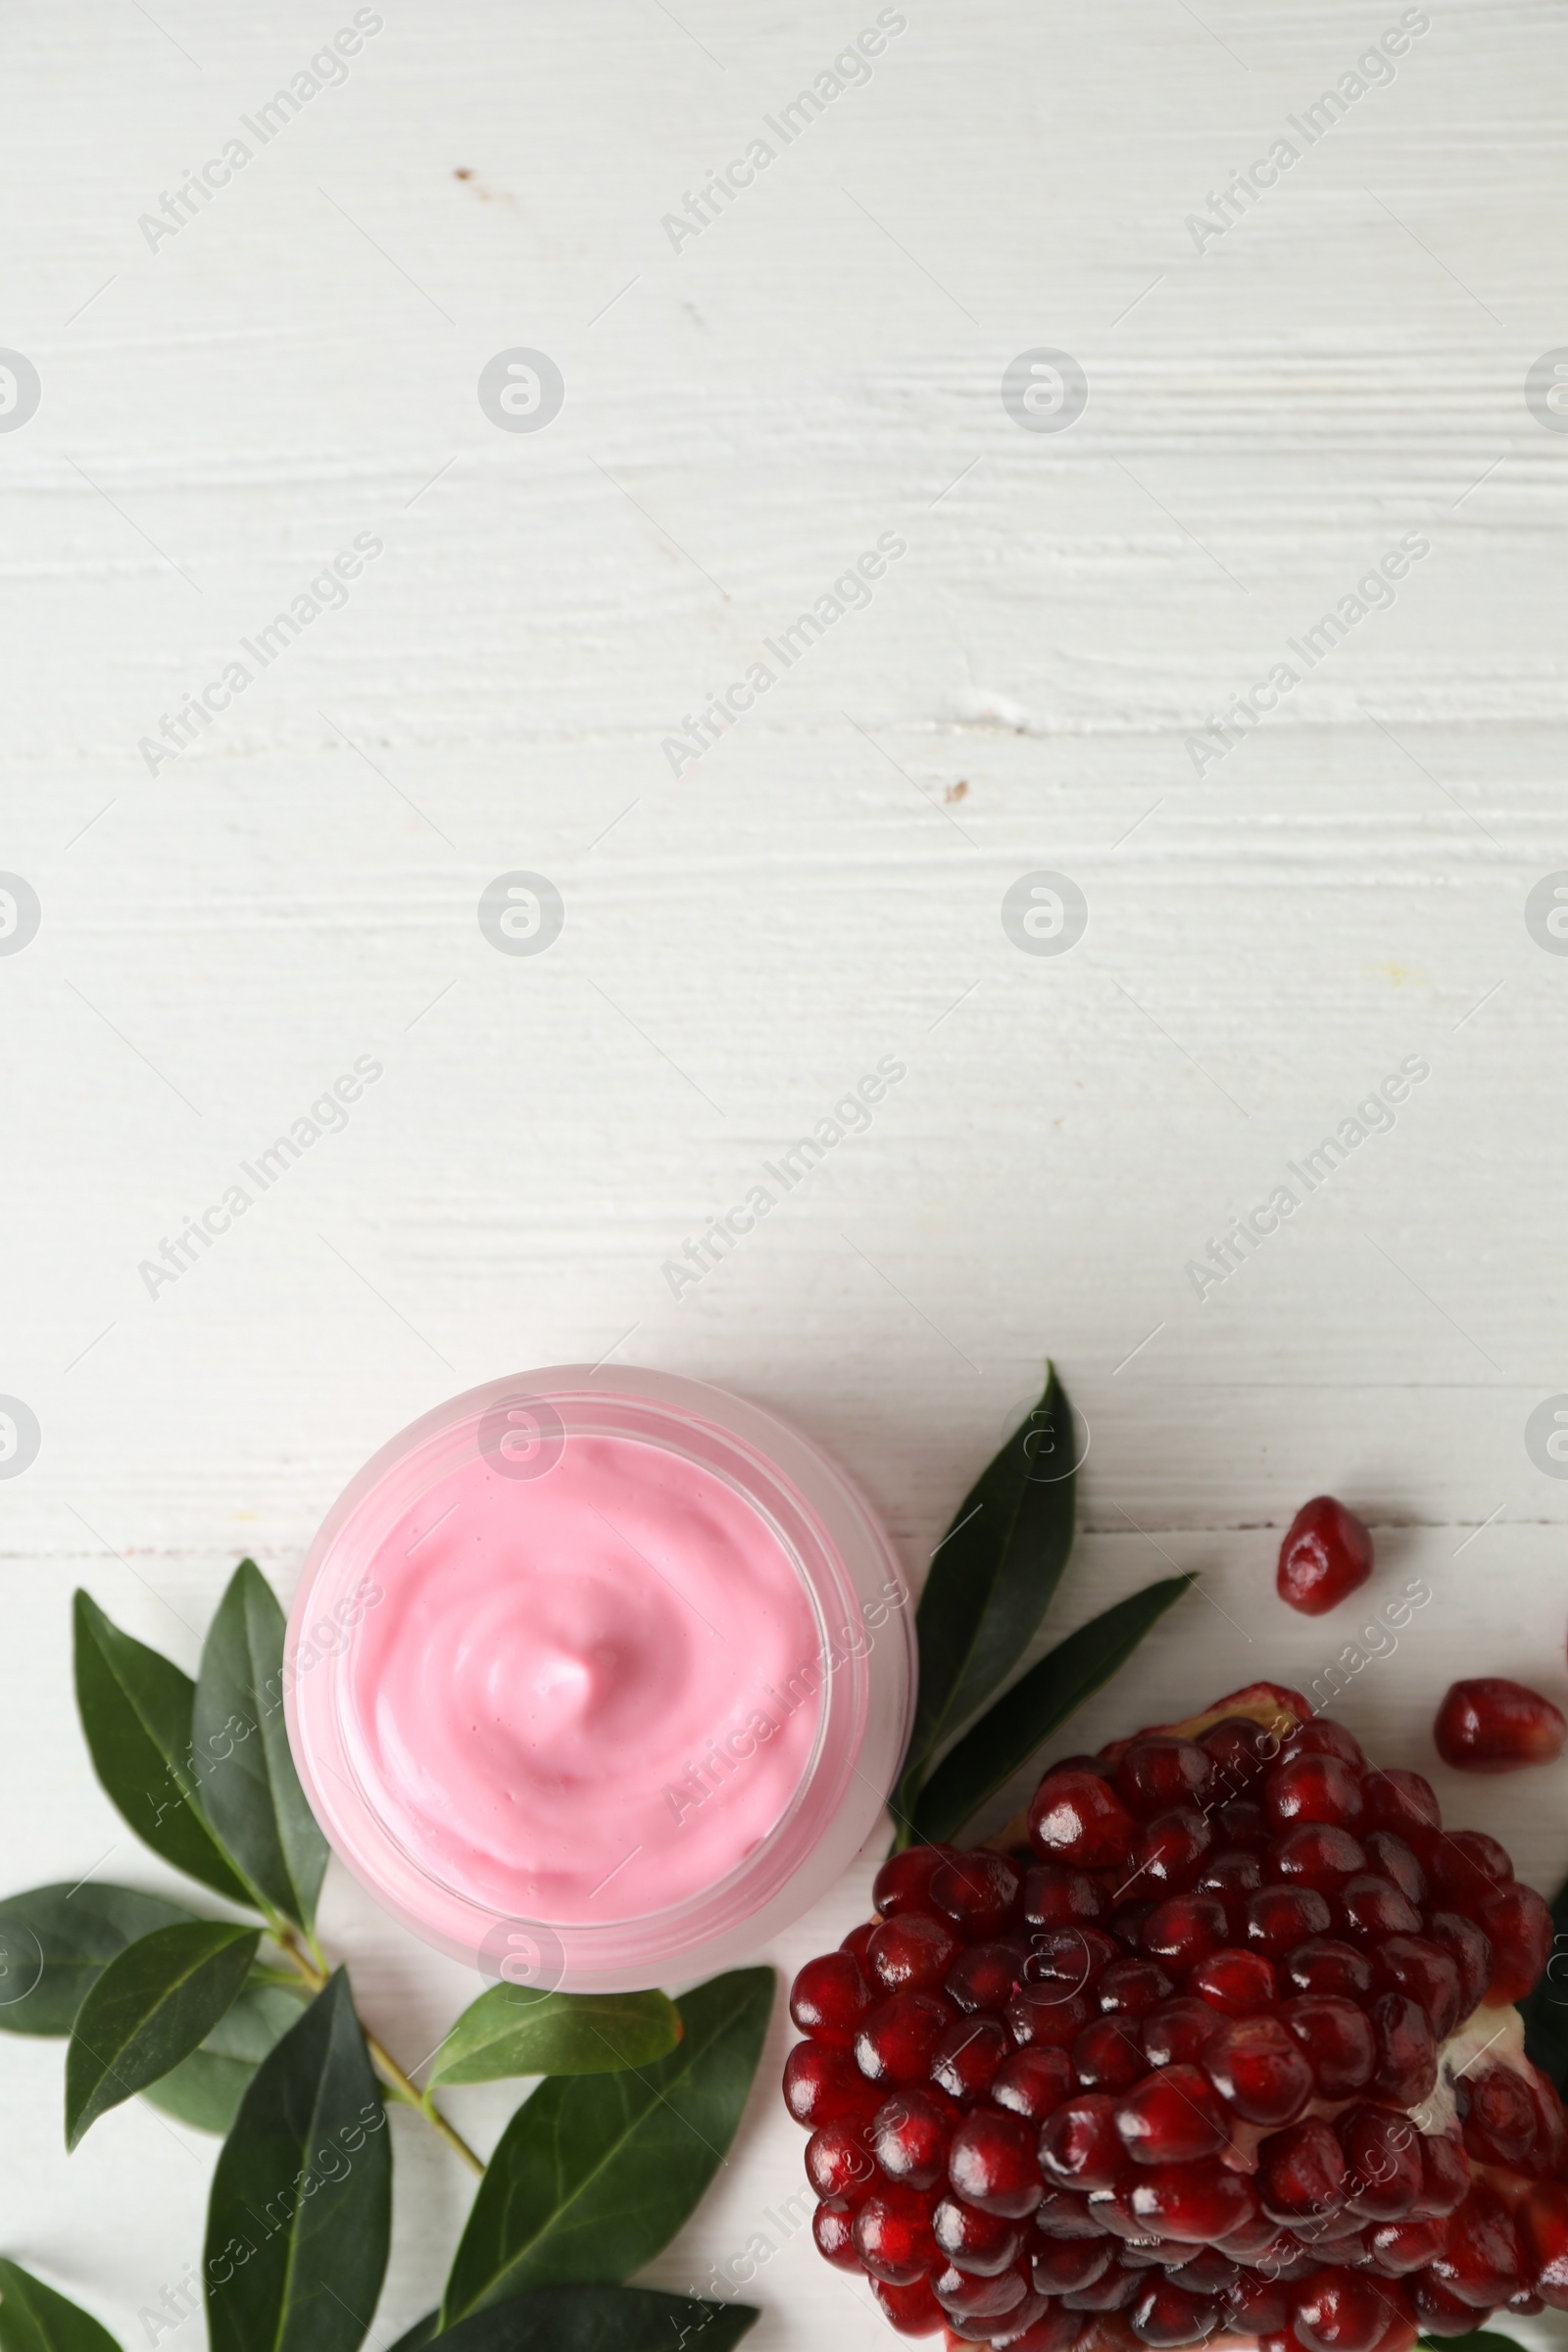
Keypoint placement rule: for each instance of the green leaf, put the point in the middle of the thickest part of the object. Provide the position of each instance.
(34, 2319)
(136, 1711)
(55, 1941)
(206, 2088)
(1015, 1730)
(300, 2217)
(596, 2173)
(991, 1580)
(1545, 2010)
(1478, 2339)
(598, 2319)
(415, 2339)
(249, 1790)
(151, 2007)
(514, 2031)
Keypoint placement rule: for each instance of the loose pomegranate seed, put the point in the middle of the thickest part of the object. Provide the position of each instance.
(912, 2310)
(894, 2042)
(1317, 1855)
(1411, 1963)
(1164, 2314)
(1464, 1866)
(1074, 1817)
(839, 2163)
(1482, 2263)
(1327, 1552)
(1337, 2039)
(1133, 1987)
(985, 2243)
(1199, 2203)
(1055, 1896)
(1497, 1726)
(1390, 1857)
(1174, 2034)
(1324, 1964)
(1066, 2263)
(978, 1894)
(893, 2235)
(1500, 2115)
(1172, 2116)
(1543, 2224)
(965, 2062)
(1406, 2069)
(1313, 1787)
(830, 1997)
(986, 1976)
(1279, 1918)
(1185, 1929)
(1109, 2055)
(1034, 2082)
(1238, 1984)
(909, 2139)
(1373, 1907)
(1169, 1849)
(991, 2163)
(821, 2085)
(1383, 2161)
(1518, 1927)
(1469, 1950)
(833, 2227)
(1300, 2172)
(911, 1953)
(1079, 2145)
(1339, 2311)
(1402, 1802)
(903, 1882)
(1159, 1772)
(1258, 2071)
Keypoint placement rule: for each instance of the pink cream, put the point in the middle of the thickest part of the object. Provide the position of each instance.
(587, 1696)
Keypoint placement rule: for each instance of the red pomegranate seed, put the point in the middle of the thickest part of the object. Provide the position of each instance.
(979, 1893)
(1445, 2176)
(903, 1882)
(894, 2042)
(984, 2243)
(1313, 1787)
(833, 2227)
(1497, 1726)
(1483, 2263)
(1258, 2071)
(1046, 2017)
(1397, 2248)
(1074, 1817)
(1185, 1929)
(1055, 1896)
(1174, 2034)
(985, 1976)
(1337, 2040)
(1109, 2055)
(912, 2310)
(1373, 1907)
(1464, 1866)
(1239, 1749)
(1339, 2311)
(1499, 2115)
(1062, 2213)
(1300, 2172)
(1402, 1802)
(1079, 2145)
(1066, 2263)
(991, 2163)
(1406, 2069)
(1518, 1927)
(839, 2163)
(1317, 1855)
(822, 2084)
(1169, 1849)
(1172, 2116)
(1440, 2312)
(1241, 1825)
(1327, 1552)
(1110, 2293)
(1543, 2224)
(910, 2137)
(1158, 1772)
(1390, 1857)
(1469, 1950)
(1238, 1984)
(1133, 1987)
(1324, 1964)
(1257, 2306)
(911, 1953)
(1070, 1958)
(1229, 1872)
(1034, 2082)
(1126, 1922)
(1166, 2315)
(965, 2295)
(1279, 1918)
(1383, 2161)
(858, 1944)
(1199, 2203)
(1057, 2329)
(893, 2235)
(965, 2060)
(830, 1997)
(1323, 1737)
(1411, 1963)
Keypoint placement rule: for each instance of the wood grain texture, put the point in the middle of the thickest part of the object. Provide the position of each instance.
(744, 416)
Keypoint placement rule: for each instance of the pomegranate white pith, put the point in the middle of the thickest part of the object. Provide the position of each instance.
(1217, 2042)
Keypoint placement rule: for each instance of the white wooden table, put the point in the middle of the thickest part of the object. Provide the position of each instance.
(1273, 403)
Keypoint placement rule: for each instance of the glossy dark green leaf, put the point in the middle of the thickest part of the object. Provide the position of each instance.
(249, 1790)
(598, 2318)
(55, 1941)
(206, 2088)
(34, 2319)
(1015, 1730)
(596, 2173)
(300, 2217)
(990, 1581)
(136, 1711)
(154, 2004)
(415, 2339)
(513, 2030)
(1478, 2339)
(1545, 2010)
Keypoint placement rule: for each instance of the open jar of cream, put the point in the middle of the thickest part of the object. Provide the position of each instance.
(596, 1679)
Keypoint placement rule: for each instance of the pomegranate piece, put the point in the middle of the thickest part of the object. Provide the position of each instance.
(1327, 1552)
(1492, 1725)
(1074, 1817)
